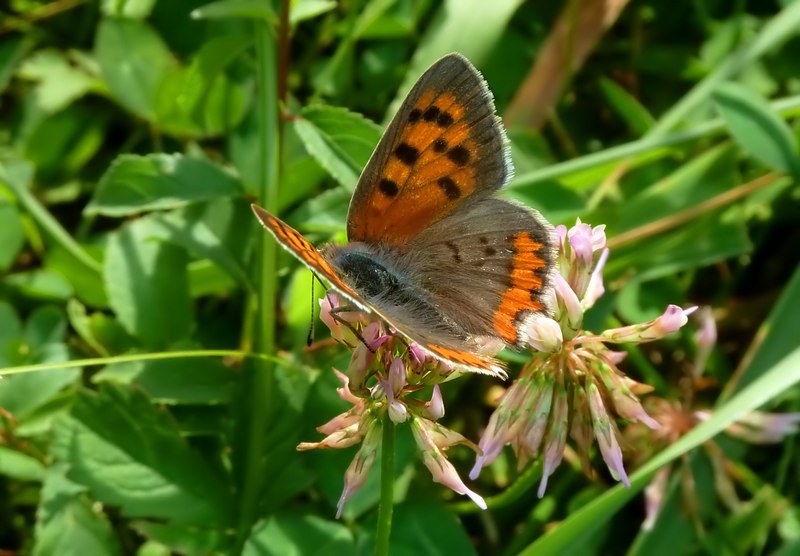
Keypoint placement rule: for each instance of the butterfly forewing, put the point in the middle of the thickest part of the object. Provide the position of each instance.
(444, 146)
(291, 240)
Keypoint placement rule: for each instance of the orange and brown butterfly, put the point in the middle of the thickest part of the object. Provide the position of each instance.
(431, 251)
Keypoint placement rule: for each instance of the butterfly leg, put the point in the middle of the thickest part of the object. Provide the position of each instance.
(345, 309)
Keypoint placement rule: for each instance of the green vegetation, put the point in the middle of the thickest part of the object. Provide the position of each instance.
(154, 374)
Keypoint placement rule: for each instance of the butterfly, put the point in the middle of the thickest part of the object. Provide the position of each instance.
(431, 250)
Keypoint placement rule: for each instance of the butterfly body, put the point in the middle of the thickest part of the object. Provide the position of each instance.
(431, 250)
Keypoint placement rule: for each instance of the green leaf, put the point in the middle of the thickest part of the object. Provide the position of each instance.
(12, 235)
(626, 106)
(39, 341)
(136, 184)
(60, 81)
(85, 284)
(710, 174)
(187, 230)
(10, 328)
(183, 539)
(412, 533)
(67, 521)
(147, 285)
(102, 333)
(174, 381)
(62, 144)
(777, 336)
(12, 50)
(556, 202)
(255, 9)
(134, 9)
(340, 140)
(130, 454)
(757, 128)
(471, 27)
(703, 242)
(19, 466)
(46, 325)
(302, 10)
(22, 394)
(40, 284)
(210, 102)
(133, 80)
(288, 534)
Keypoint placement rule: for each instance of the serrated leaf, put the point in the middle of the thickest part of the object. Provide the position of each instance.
(130, 454)
(77, 528)
(340, 140)
(147, 284)
(757, 128)
(158, 181)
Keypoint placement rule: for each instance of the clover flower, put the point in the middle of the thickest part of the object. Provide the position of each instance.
(574, 388)
(384, 375)
(678, 417)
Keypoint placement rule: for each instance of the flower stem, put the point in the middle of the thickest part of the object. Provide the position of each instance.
(387, 489)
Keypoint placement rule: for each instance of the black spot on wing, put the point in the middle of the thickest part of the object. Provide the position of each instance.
(388, 187)
(431, 114)
(407, 154)
(450, 188)
(459, 155)
(445, 119)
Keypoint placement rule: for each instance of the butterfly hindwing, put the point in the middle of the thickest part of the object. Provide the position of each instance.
(445, 145)
(489, 266)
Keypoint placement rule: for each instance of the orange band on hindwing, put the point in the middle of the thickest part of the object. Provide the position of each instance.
(525, 283)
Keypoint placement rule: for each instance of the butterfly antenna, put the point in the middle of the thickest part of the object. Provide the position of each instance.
(312, 324)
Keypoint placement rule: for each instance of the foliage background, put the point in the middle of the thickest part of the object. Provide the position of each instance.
(135, 134)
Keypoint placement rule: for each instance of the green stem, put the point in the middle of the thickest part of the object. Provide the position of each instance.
(257, 385)
(137, 357)
(649, 144)
(387, 489)
(55, 230)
